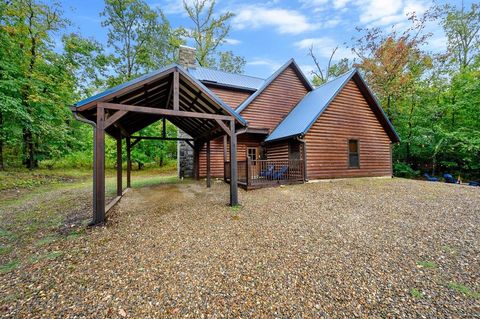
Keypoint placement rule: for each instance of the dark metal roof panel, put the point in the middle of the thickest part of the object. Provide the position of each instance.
(218, 77)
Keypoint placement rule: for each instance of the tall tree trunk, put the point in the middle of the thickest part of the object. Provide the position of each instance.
(29, 150)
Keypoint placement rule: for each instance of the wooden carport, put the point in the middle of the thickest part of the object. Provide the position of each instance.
(167, 94)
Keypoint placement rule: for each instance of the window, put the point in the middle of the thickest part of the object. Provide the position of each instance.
(353, 156)
(252, 154)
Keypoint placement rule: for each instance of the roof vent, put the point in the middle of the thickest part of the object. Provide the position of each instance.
(186, 56)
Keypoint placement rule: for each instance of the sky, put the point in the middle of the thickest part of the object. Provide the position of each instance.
(269, 33)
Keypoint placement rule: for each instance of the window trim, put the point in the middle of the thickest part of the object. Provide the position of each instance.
(348, 153)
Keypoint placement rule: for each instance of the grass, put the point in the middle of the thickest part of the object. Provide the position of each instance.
(427, 264)
(35, 205)
(415, 293)
(5, 249)
(46, 240)
(464, 290)
(8, 267)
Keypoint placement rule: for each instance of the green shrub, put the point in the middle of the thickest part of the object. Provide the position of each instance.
(401, 169)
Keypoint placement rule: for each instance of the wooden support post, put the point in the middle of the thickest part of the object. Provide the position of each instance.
(225, 148)
(119, 165)
(99, 212)
(233, 165)
(129, 162)
(176, 91)
(208, 164)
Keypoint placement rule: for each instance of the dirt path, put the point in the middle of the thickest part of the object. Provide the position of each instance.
(355, 248)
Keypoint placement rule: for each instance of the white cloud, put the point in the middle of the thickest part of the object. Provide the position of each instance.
(272, 65)
(284, 21)
(172, 6)
(232, 41)
(374, 10)
(324, 47)
(387, 12)
(340, 4)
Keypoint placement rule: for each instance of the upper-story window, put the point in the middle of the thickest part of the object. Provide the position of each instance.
(353, 154)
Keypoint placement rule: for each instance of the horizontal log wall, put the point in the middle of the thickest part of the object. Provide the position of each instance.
(216, 153)
(277, 151)
(231, 97)
(348, 117)
(276, 101)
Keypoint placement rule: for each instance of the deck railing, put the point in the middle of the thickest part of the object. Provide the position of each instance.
(263, 173)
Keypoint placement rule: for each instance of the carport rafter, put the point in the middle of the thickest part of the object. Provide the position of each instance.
(170, 94)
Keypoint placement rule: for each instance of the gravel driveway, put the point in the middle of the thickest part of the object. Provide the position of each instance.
(366, 248)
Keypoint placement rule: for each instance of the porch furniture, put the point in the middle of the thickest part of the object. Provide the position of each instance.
(449, 179)
(430, 178)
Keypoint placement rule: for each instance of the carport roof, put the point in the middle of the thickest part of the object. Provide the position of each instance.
(154, 90)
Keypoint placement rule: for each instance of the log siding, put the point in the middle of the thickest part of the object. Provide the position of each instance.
(347, 117)
(272, 105)
(232, 98)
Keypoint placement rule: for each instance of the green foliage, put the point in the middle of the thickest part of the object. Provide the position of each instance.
(427, 264)
(415, 293)
(404, 170)
(464, 290)
(209, 32)
(9, 266)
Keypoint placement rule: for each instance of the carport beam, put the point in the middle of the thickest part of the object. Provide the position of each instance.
(233, 165)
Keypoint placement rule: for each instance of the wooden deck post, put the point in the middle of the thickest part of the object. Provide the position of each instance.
(208, 164)
(129, 162)
(119, 165)
(99, 210)
(233, 165)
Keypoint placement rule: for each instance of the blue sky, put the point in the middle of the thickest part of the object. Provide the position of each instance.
(269, 33)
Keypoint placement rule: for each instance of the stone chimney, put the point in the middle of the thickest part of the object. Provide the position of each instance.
(185, 156)
(186, 56)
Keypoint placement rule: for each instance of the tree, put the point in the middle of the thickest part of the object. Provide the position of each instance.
(10, 84)
(321, 75)
(34, 24)
(385, 59)
(88, 63)
(209, 33)
(142, 38)
(229, 62)
(462, 29)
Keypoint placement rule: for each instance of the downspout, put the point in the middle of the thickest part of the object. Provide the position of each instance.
(94, 126)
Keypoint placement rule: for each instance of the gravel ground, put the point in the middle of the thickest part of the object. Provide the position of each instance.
(362, 248)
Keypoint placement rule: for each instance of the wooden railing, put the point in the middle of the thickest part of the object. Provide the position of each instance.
(263, 173)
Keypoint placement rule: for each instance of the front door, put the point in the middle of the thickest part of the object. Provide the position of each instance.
(253, 153)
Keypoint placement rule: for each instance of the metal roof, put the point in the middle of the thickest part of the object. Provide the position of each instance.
(307, 111)
(227, 79)
(268, 81)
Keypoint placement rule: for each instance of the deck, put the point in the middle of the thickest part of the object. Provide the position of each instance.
(267, 173)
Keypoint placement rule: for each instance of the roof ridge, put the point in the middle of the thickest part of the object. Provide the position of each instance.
(217, 70)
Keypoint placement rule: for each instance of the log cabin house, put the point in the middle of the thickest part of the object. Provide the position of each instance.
(296, 132)
(279, 130)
